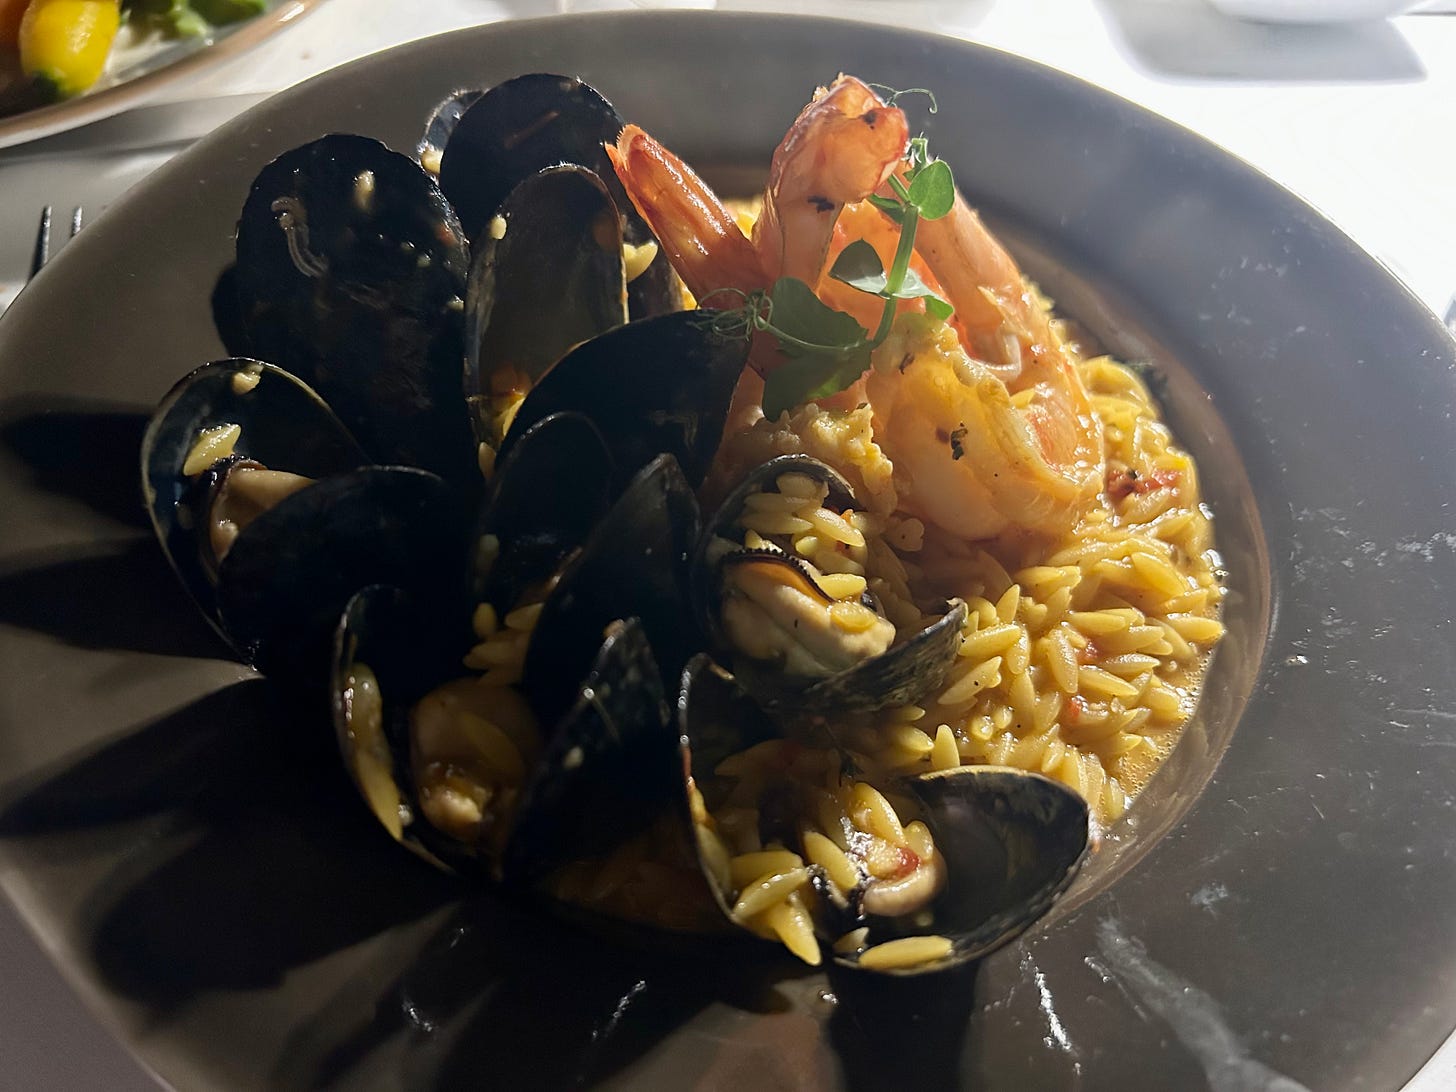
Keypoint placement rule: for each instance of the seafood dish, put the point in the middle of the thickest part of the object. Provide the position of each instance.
(780, 568)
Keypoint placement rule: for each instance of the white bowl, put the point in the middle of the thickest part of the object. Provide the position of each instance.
(1312, 11)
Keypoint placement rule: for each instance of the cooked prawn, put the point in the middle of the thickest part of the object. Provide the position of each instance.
(970, 455)
(986, 420)
(840, 149)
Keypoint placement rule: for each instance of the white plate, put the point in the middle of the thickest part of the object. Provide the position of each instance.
(141, 72)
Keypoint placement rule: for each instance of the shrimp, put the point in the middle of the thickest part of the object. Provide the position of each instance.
(841, 148)
(990, 429)
(986, 421)
(971, 456)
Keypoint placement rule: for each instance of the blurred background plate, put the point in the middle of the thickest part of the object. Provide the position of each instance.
(137, 73)
(1274, 913)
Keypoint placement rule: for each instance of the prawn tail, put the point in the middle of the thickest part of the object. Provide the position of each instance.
(699, 236)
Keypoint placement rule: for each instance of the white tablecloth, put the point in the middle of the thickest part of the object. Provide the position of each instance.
(1358, 120)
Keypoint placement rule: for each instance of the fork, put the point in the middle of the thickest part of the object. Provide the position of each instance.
(42, 252)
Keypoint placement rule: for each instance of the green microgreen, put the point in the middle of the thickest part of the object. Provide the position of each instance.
(827, 349)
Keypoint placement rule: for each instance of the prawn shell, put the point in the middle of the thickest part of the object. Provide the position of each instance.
(535, 121)
(548, 276)
(654, 386)
(1012, 842)
(351, 270)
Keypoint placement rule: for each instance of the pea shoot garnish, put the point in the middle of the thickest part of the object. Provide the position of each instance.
(828, 349)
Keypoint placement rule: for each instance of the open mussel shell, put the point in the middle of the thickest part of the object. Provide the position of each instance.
(900, 675)
(722, 528)
(545, 277)
(440, 126)
(535, 121)
(285, 582)
(716, 718)
(1012, 843)
(632, 565)
(351, 270)
(610, 763)
(659, 385)
(545, 499)
(388, 652)
(282, 423)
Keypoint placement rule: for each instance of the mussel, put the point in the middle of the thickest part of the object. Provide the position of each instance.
(351, 270)
(798, 637)
(272, 516)
(994, 847)
(546, 276)
(532, 122)
(465, 776)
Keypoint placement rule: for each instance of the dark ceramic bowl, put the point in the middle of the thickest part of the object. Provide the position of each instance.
(1278, 903)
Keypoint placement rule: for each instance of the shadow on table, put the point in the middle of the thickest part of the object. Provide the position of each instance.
(82, 449)
(220, 850)
(1189, 39)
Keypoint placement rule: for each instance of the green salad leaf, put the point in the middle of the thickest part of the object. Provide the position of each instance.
(190, 18)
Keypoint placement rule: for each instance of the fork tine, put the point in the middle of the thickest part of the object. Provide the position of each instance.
(42, 242)
(42, 253)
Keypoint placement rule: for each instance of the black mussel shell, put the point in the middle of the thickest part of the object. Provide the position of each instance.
(351, 274)
(548, 275)
(409, 650)
(1012, 843)
(610, 765)
(284, 425)
(290, 573)
(723, 522)
(632, 565)
(901, 675)
(762, 477)
(440, 126)
(542, 120)
(659, 385)
(545, 499)
(716, 718)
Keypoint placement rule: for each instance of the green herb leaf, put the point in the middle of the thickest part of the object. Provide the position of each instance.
(805, 324)
(938, 308)
(919, 155)
(220, 12)
(932, 190)
(858, 266)
(811, 377)
(912, 287)
(890, 206)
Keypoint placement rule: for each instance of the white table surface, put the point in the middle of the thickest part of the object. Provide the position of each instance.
(1358, 120)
